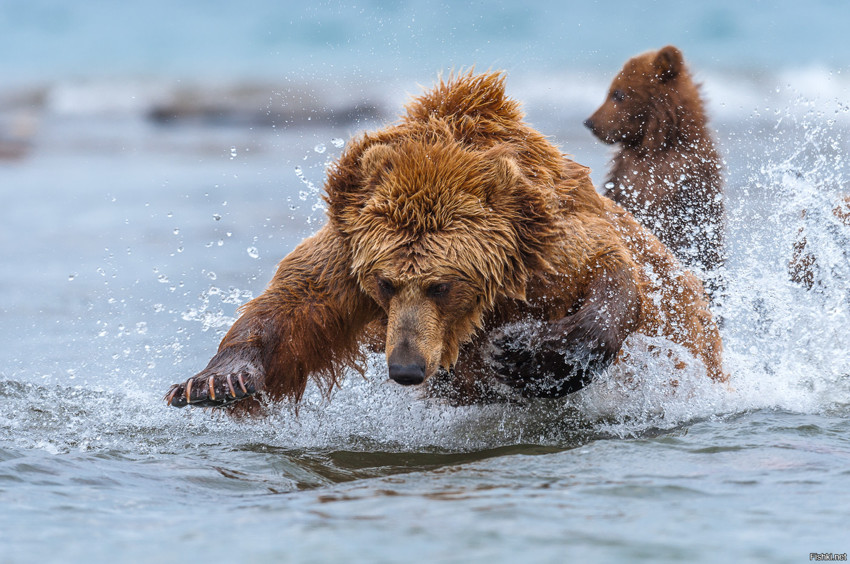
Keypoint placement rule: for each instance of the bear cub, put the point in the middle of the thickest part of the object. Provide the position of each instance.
(666, 171)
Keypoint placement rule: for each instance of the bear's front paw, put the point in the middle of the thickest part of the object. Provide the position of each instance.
(511, 352)
(212, 390)
(233, 374)
(546, 360)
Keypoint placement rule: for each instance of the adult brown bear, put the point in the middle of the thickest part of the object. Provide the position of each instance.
(481, 249)
(666, 171)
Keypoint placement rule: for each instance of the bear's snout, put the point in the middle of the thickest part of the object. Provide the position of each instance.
(593, 125)
(407, 374)
(599, 126)
(405, 366)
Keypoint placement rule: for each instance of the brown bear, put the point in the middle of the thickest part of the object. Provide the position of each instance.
(803, 265)
(666, 171)
(483, 253)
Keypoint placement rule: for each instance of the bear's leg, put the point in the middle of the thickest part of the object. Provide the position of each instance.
(557, 358)
(306, 324)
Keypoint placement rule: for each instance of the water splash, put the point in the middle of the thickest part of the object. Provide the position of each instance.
(212, 316)
(783, 341)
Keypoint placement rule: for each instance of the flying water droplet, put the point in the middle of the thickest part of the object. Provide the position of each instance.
(320, 148)
(337, 142)
(253, 252)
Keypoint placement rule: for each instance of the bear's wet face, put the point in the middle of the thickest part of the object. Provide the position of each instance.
(426, 320)
(435, 236)
(635, 96)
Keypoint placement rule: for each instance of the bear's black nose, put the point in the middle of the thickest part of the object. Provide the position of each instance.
(588, 123)
(407, 374)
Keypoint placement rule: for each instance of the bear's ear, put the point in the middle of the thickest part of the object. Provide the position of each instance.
(668, 63)
(506, 171)
(376, 162)
(360, 168)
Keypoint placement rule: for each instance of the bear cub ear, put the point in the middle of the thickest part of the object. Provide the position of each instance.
(668, 63)
(377, 161)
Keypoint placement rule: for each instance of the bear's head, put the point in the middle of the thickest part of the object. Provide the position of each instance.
(645, 100)
(438, 232)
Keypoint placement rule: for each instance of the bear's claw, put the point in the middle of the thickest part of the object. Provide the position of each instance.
(211, 391)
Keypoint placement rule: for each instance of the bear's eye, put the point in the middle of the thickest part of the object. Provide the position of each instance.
(618, 96)
(438, 290)
(385, 287)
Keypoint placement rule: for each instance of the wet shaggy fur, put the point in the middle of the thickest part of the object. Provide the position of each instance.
(482, 255)
(666, 170)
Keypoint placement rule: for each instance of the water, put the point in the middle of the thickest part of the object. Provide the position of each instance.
(168, 166)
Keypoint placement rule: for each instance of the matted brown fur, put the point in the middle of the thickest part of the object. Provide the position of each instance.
(666, 170)
(444, 227)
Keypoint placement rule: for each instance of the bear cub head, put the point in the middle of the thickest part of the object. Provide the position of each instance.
(644, 99)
